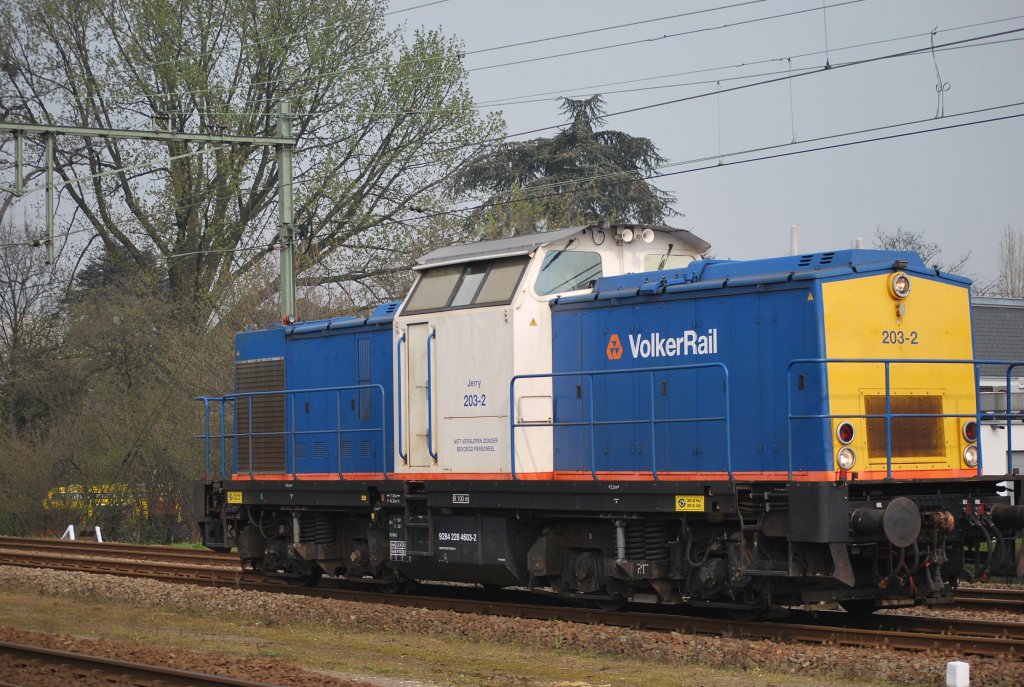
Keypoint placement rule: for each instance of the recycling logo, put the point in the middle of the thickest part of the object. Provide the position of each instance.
(614, 349)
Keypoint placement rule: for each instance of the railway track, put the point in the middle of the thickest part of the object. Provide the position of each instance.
(892, 631)
(990, 599)
(108, 549)
(23, 660)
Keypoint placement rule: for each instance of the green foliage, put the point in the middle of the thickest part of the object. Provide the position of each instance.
(382, 125)
(578, 175)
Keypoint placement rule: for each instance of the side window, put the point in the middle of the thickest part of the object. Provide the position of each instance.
(472, 276)
(434, 288)
(568, 271)
(486, 282)
(501, 281)
(659, 261)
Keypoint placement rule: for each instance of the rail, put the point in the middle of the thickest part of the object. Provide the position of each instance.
(888, 415)
(289, 433)
(651, 421)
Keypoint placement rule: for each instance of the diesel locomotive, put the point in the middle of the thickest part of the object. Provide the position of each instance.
(601, 413)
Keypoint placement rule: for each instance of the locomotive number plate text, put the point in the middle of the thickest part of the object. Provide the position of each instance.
(690, 503)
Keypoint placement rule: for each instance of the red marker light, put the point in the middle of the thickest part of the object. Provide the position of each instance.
(845, 433)
(971, 431)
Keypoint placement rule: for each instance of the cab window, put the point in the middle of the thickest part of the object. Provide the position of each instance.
(659, 261)
(568, 271)
(486, 282)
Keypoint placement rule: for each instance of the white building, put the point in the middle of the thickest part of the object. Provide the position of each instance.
(999, 335)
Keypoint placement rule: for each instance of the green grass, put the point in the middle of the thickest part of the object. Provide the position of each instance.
(364, 651)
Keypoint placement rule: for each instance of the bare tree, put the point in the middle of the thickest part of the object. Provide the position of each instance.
(1009, 282)
(914, 242)
(29, 326)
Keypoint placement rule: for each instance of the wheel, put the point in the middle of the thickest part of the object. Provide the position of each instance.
(390, 587)
(745, 615)
(310, 579)
(394, 583)
(611, 605)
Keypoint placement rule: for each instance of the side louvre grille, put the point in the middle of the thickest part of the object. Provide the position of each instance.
(912, 437)
(268, 450)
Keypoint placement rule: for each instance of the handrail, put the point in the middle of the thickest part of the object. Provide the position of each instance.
(888, 415)
(248, 428)
(399, 399)
(295, 458)
(206, 413)
(430, 401)
(651, 421)
(223, 442)
(1009, 410)
(292, 433)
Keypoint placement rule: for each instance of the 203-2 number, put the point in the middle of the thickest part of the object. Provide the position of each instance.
(897, 336)
(472, 400)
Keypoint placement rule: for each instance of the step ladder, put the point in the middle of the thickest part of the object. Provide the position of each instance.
(418, 521)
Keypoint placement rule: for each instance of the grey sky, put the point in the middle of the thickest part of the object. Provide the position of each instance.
(959, 188)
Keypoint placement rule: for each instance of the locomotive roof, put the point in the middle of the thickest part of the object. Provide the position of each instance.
(527, 243)
(708, 274)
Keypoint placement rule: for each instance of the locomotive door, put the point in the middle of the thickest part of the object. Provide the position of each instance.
(417, 395)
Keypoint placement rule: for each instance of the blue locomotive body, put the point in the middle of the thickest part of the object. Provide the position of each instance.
(715, 397)
(334, 416)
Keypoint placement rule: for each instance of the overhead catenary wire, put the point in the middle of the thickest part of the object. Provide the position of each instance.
(586, 32)
(661, 175)
(632, 177)
(950, 45)
(530, 98)
(355, 72)
(718, 164)
(679, 34)
(866, 44)
(570, 94)
(811, 72)
(721, 156)
(721, 161)
(463, 53)
(716, 93)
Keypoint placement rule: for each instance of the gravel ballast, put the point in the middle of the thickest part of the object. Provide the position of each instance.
(754, 656)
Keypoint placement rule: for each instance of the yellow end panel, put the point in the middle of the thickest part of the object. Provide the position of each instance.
(863, 319)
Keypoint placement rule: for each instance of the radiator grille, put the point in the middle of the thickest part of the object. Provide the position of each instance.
(912, 437)
(268, 452)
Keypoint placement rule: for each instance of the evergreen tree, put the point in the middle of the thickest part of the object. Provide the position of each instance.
(578, 175)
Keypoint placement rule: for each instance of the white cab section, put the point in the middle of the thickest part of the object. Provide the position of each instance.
(479, 315)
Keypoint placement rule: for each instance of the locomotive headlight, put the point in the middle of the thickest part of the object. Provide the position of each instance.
(845, 433)
(971, 456)
(846, 458)
(899, 285)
